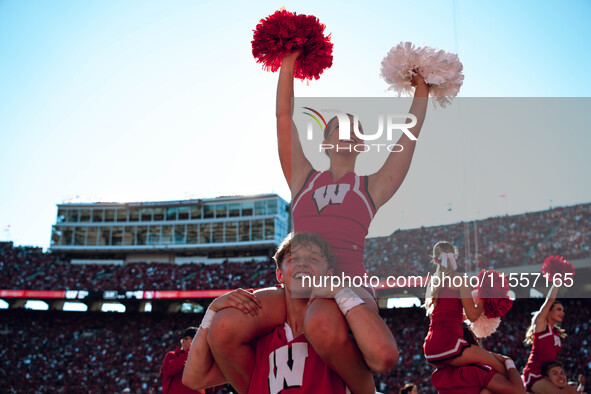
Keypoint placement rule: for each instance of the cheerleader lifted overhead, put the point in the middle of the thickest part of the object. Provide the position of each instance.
(296, 45)
(343, 223)
(446, 307)
(543, 333)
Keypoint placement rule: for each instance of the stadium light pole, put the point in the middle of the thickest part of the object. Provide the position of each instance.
(467, 246)
(476, 262)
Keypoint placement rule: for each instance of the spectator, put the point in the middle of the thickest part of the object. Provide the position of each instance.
(174, 364)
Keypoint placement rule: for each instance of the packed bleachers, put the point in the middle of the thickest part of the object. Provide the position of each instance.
(65, 352)
(503, 241)
(26, 269)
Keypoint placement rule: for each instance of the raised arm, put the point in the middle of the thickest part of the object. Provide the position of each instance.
(541, 315)
(384, 183)
(293, 161)
(472, 309)
(201, 371)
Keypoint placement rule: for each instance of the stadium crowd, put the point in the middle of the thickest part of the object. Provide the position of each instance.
(27, 268)
(503, 241)
(65, 352)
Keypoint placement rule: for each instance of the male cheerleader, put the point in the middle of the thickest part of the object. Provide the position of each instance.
(285, 362)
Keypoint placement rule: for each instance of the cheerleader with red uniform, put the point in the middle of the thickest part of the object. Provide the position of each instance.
(338, 205)
(545, 339)
(446, 305)
(475, 378)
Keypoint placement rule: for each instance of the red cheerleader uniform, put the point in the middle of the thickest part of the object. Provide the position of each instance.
(285, 364)
(340, 212)
(467, 379)
(545, 348)
(445, 339)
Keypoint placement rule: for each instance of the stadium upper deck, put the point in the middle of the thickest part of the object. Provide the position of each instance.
(256, 224)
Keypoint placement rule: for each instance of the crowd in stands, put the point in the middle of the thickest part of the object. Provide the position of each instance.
(503, 242)
(66, 352)
(27, 269)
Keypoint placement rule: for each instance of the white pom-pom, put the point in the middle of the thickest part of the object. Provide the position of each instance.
(440, 69)
(484, 327)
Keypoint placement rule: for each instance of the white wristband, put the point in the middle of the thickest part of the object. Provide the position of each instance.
(347, 299)
(509, 364)
(207, 318)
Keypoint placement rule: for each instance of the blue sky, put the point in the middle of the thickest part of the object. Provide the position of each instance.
(136, 100)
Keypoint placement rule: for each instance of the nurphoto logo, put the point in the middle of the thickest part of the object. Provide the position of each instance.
(386, 123)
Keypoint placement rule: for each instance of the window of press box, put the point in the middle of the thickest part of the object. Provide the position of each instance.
(244, 231)
(146, 214)
(208, 211)
(196, 212)
(260, 208)
(109, 215)
(92, 236)
(171, 213)
(269, 228)
(72, 215)
(105, 236)
(204, 233)
(218, 232)
(84, 216)
(192, 232)
(183, 213)
(166, 235)
(257, 230)
(79, 236)
(179, 233)
(117, 236)
(247, 207)
(221, 210)
(159, 214)
(134, 215)
(272, 207)
(141, 235)
(129, 236)
(121, 215)
(231, 231)
(67, 233)
(97, 215)
(154, 235)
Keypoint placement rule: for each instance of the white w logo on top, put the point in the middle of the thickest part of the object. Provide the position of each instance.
(287, 370)
(331, 194)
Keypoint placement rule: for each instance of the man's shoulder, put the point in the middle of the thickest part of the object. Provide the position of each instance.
(173, 353)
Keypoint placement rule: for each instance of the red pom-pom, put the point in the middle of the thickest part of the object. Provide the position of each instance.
(497, 307)
(286, 31)
(493, 289)
(557, 266)
(492, 284)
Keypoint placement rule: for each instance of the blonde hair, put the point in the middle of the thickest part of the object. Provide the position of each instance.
(529, 334)
(432, 292)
